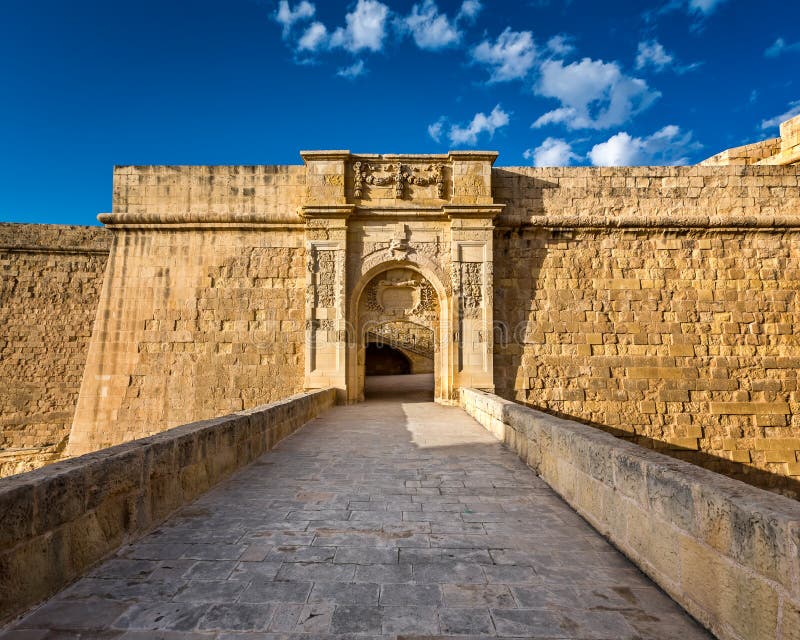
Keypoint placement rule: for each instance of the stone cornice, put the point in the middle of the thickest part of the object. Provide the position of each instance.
(124, 220)
(335, 211)
(325, 154)
(473, 210)
(672, 221)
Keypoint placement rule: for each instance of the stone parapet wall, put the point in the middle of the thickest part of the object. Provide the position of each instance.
(50, 281)
(746, 154)
(781, 151)
(728, 553)
(653, 196)
(263, 193)
(59, 521)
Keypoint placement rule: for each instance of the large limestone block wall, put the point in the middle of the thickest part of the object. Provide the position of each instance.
(50, 281)
(191, 324)
(202, 310)
(680, 331)
(229, 194)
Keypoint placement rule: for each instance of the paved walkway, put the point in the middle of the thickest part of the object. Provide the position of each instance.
(395, 518)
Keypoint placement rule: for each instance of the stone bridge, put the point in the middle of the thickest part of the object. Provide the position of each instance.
(394, 518)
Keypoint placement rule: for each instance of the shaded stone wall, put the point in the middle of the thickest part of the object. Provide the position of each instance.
(50, 280)
(680, 332)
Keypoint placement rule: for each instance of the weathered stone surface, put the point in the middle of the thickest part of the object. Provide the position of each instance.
(60, 520)
(727, 552)
(50, 280)
(510, 556)
(659, 302)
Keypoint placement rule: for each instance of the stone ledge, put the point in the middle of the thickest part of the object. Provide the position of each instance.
(727, 552)
(60, 520)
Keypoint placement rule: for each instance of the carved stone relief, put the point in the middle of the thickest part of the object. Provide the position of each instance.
(326, 278)
(407, 335)
(379, 174)
(471, 288)
(428, 255)
(401, 292)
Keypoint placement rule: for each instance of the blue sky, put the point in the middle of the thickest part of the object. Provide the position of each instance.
(90, 84)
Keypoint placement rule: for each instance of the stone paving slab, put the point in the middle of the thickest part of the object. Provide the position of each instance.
(395, 518)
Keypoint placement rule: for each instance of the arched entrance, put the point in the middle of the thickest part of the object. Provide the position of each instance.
(385, 360)
(396, 307)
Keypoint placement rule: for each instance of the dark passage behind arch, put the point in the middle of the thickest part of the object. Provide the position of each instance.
(383, 360)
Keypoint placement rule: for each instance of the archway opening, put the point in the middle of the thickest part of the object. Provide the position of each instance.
(398, 324)
(384, 360)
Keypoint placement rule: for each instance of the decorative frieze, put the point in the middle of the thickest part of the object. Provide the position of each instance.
(383, 174)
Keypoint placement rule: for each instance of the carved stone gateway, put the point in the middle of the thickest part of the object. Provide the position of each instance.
(398, 239)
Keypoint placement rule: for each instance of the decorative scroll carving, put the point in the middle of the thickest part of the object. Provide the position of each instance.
(428, 302)
(471, 288)
(400, 175)
(319, 325)
(407, 335)
(423, 301)
(326, 277)
(371, 299)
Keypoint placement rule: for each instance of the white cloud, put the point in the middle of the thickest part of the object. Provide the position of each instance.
(706, 7)
(435, 130)
(365, 27)
(593, 94)
(510, 57)
(430, 29)
(481, 123)
(470, 9)
(791, 112)
(553, 152)
(780, 47)
(666, 146)
(353, 71)
(560, 45)
(315, 37)
(652, 54)
(287, 16)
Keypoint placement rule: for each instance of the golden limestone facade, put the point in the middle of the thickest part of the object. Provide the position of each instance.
(228, 287)
(660, 303)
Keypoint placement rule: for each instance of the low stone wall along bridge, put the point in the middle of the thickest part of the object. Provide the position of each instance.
(393, 518)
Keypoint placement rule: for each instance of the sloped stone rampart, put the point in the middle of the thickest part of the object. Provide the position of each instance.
(192, 324)
(60, 520)
(728, 553)
(50, 281)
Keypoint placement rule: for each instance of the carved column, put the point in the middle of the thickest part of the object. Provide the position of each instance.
(471, 217)
(325, 212)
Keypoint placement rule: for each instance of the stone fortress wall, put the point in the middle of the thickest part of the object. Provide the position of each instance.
(656, 302)
(660, 303)
(196, 321)
(50, 280)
